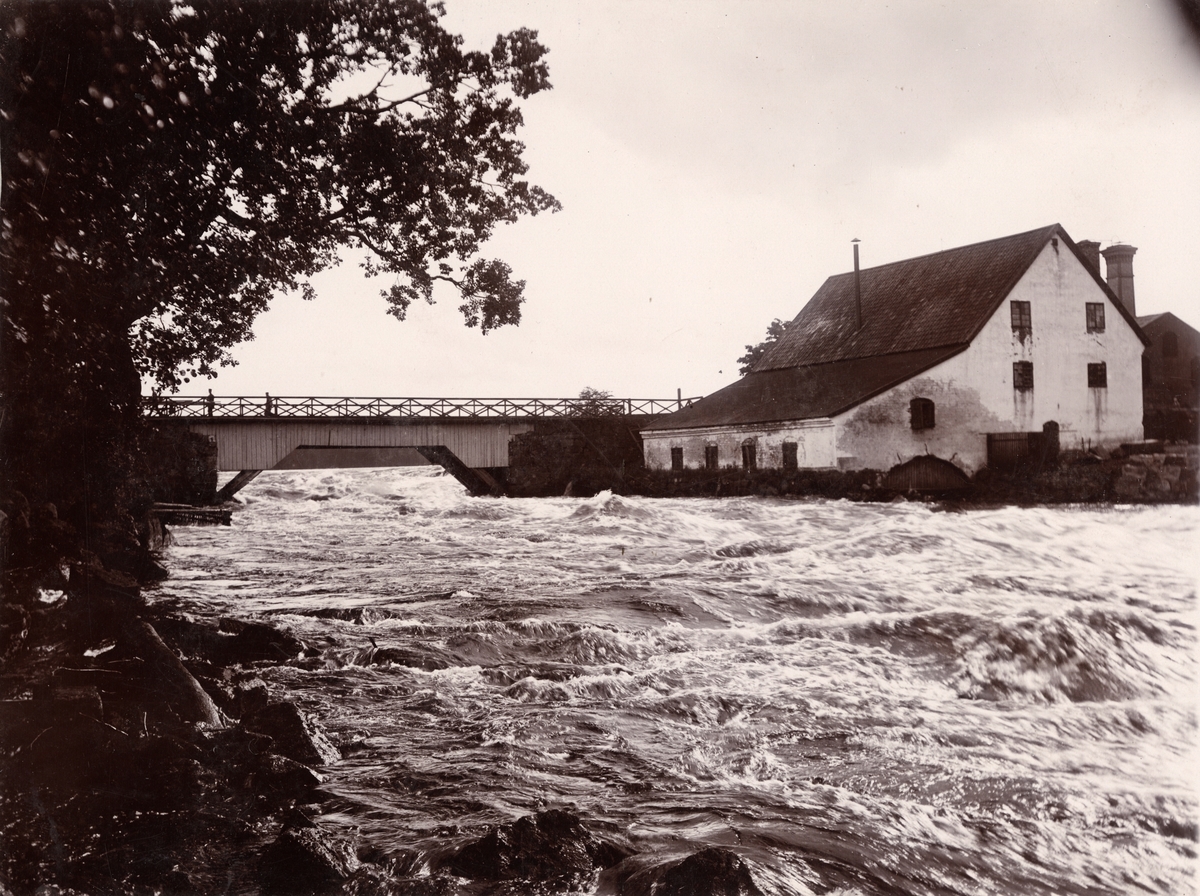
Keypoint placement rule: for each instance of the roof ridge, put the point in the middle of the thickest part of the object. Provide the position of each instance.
(1048, 230)
(941, 298)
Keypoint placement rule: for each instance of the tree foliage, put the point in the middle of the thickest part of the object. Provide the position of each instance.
(596, 403)
(169, 165)
(755, 353)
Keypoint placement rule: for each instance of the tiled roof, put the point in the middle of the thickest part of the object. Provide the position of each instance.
(931, 301)
(803, 393)
(916, 313)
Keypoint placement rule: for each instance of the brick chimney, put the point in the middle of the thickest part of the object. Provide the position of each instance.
(1090, 250)
(1119, 261)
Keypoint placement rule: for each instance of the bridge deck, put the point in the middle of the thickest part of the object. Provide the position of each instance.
(406, 408)
(469, 436)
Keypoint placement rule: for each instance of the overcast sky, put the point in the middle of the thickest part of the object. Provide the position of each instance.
(714, 160)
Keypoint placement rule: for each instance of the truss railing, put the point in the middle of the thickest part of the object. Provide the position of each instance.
(287, 407)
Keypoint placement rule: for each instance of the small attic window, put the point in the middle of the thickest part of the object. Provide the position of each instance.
(921, 411)
(1095, 317)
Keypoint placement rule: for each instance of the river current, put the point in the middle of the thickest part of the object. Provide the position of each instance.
(855, 698)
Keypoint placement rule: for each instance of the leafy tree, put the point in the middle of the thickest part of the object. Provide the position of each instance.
(596, 403)
(169, 165)
(754, 353)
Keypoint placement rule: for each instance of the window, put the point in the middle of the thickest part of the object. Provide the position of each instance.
(921, 410)
(1098, 376)
(1170, 344)
(711, 457)
(1095, 317)
(676, 459)
(789, 456)
(749, 460)
(1022, 320)
(1023, 376)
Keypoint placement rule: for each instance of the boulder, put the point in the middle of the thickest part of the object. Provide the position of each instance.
(294, 734)
(278, 776)
(161, 676)
(551, 845)
(139, 563)
(250, 696)
(710, 872)
(254, 642)
(195, 639)
(305, 861)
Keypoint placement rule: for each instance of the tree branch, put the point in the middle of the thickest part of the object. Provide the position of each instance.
(352, 105)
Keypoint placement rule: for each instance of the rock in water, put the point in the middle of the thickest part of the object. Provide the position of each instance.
(296, 736)
(257, 642)
(710, 872)
(552, 844)
(282, 777)
(306, 860)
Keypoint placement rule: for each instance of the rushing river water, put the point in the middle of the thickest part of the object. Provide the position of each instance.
(855, 698)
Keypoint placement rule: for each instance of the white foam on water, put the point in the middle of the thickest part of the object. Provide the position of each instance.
(861, 696)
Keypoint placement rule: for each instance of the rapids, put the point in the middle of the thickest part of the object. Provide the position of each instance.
(856, 698)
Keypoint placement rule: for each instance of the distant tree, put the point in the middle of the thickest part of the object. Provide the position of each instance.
(596, 403)
(754, 353)
(169, 165)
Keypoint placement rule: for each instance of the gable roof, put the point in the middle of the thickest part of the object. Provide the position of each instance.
(931, 301)
(802, 393)
(916, 313)
(1153, 322)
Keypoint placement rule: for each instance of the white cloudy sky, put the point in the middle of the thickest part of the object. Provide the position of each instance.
(714, 160)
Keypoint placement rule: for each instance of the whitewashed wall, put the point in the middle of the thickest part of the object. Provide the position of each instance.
(973, 392)
(814, 444)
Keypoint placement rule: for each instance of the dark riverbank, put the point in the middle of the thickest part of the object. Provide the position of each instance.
(140, 752)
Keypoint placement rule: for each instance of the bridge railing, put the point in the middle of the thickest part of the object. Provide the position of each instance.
(241, 407)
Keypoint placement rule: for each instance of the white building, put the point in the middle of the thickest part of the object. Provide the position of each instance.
(955, 354)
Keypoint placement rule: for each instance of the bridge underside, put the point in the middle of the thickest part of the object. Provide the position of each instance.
(474, 451)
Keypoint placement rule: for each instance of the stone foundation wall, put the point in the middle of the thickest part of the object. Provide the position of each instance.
(1168, 475)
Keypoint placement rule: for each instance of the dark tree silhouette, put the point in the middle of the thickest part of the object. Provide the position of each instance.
(754, 353)
(169, 166)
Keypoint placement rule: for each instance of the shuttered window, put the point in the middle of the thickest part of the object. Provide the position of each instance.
(1098, 376)
(789, 456)
(1023, 376)
(921, 411)
(749, 456)
(676, 458)
(1095, 317)
(711, 457)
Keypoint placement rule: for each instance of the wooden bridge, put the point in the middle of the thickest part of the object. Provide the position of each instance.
(467, 436)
